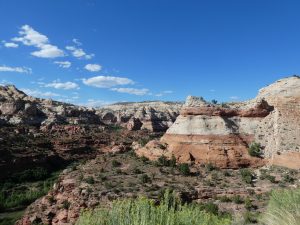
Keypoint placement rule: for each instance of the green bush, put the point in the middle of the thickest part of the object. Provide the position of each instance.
(184, 169)
(115, 163)
(283, 208)
(90, 180)
(143, 211)
(145, 178)
(255, 150)
(163, 161)
(247, 176)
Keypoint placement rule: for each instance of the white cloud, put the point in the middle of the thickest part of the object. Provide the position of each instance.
(62, 85)
(162, 93)
(39, 94)
(93, 67)
(15, 69)
(133, 91)
(96, 103)
(63, 64)
(10, 44)
(106, 81)
(76, 41)
(79, 52)
(234, 97)
(30, 37)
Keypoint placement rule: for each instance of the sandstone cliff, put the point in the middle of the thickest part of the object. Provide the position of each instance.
(154, 116)
(221, 134)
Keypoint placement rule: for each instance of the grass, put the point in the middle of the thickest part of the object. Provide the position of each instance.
(283, 208)
(19, 193)
(143, 211)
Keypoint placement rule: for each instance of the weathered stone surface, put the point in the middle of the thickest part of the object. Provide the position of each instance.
(154, 116)
(221, 134)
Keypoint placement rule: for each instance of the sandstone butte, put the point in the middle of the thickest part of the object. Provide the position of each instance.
(221, 133)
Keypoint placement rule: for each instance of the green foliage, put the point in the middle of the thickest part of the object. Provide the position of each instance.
(247, 176)
(287, 178)
(214, 101)
(143, 211)
(163, 161)
(184, 169)
(66, 204)
(145, 178)
(248, 203)
(237, 199)
(283, 208)
(115, 163)
(29, 175)
(210, 167)
(255, 150)
(173, 161)
(90, 180)
(22, 197)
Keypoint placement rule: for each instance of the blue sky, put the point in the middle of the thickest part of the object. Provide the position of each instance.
(94, 52)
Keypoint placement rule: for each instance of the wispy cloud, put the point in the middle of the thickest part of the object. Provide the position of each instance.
(133, 91)
(62, 85)
(10, 44)
(30, 37)
(79, 52)
(63, 64)
(76, 41)
(93, 67)
(40, 94)
(106, 81)
(16, 69)
(234, 97)
(96, 103)
(163, 93)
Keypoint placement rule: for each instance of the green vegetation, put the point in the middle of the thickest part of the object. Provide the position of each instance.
(143, 211)
(20, 192)
(115, 163)
(255, 150)
(283, 208)
(184, 169)
(247, 176)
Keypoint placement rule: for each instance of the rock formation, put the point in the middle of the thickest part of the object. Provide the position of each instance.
(221, 134)
(154, 116)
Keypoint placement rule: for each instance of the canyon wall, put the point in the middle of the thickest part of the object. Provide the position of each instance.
(221, 133)
(154, 116)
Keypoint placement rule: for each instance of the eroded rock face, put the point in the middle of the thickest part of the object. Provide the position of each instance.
(153, 116)
(220, 134)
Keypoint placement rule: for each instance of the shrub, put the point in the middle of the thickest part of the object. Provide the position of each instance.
(214, 101)
(247, 176)
(209, 208)
(184, 169)
(163, 161)
(144, 211)
(115, 163)
(248, 203)
(144, 159)
(145, 178)
(255, 150)
(173, 161)
(287, 178)
(90, 180)
(66, 204)
(210, 167)
(283, 208)
(237, 199)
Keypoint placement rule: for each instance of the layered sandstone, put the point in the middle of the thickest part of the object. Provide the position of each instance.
(154, 116)
(221, 134)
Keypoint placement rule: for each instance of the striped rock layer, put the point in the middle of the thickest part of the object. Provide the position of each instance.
(221, 134)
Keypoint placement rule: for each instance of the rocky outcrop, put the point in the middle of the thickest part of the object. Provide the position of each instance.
(154, 116)
(17, 108)
(221, 134)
